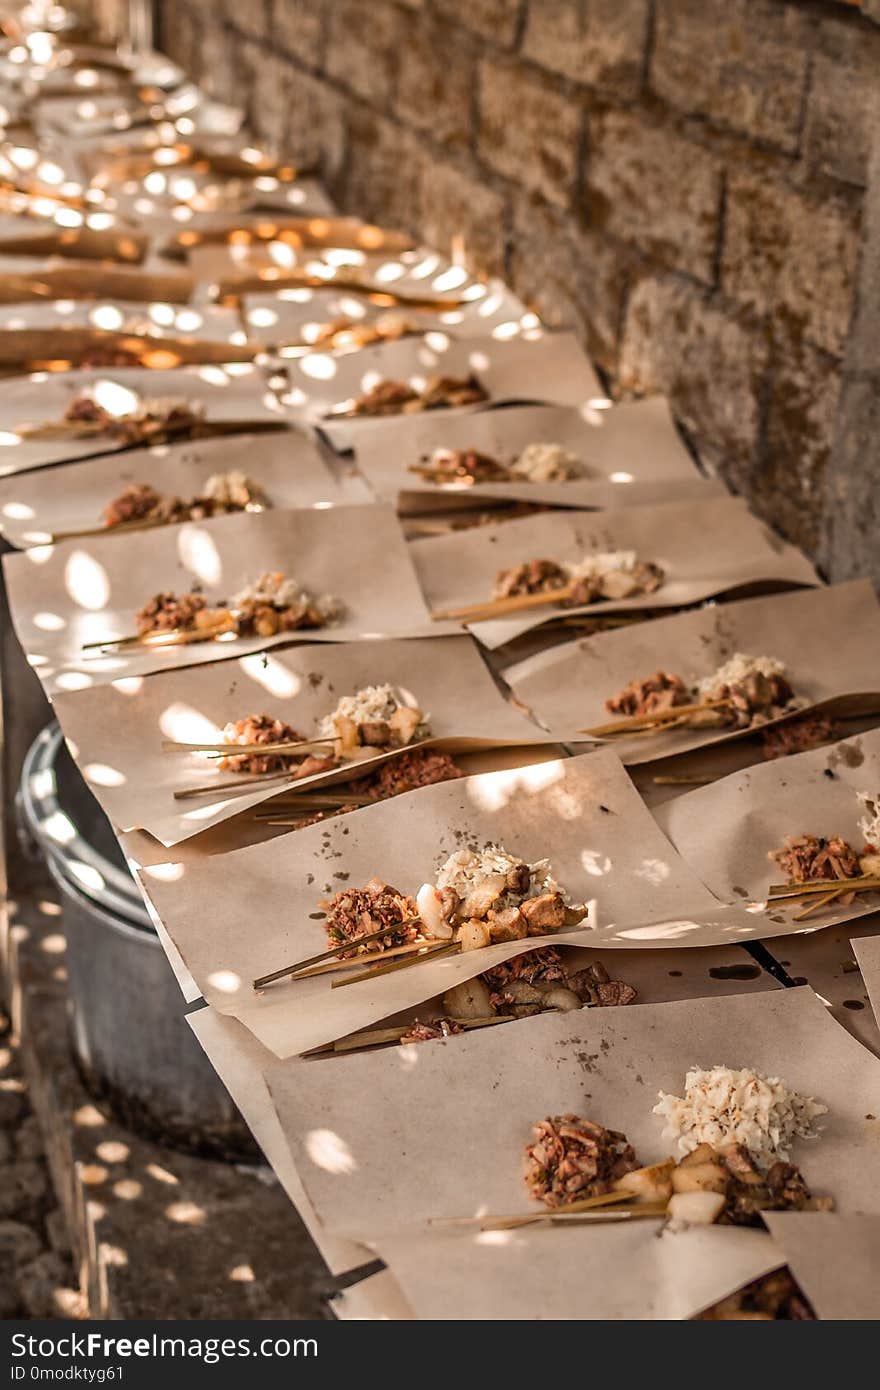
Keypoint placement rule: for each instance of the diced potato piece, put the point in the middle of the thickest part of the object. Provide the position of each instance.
(700, 1177)
(347, 740)
(696, 1208)
(473, 935)
(468, 1000)
(404, 722)
(703, 1153)
(651, 1184)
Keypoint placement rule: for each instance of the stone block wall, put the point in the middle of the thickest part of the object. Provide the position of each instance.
(685, 182)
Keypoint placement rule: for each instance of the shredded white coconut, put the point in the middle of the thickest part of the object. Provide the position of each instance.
(870, 823)
(273, 588)
(234, 488)
(721, 1106)
(547, 463)
(466, 869)
(604, 562)
(736, 670)
(375, 704)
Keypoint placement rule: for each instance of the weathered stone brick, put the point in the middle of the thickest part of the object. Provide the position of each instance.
(179, 36)
(218, 66)
(385, 171)
(656, 189)
(852, 511)
(572, 277)
(600, 42)
(365, 46)
(251, 18)
(791, 254)
(528, 131)
(436, 82)
(297, 27)
(743, 63)
(458, 209)
(496, 19)
(315, 132)
(269, 102)
(706, 360)
(843, 115)
(787, 483)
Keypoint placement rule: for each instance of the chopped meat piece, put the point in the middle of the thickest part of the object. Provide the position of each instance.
(451, 391)
(798, 736)
(614, 994)
(463, 466)
(349, 333)
(358, 912)
(531, 577)
(421, 767)
(657, 692)
(507, 924)
(137, 502)
(753, 700)
(572, 1158)
(429, 1032)
(399, 397)
(262, 728)
(543, 964)
(775, 1297)
(804, 858)
(257, 619)
(544, 913)
(166, 611)
(84, 410)
(749, 1192)
(385, 398)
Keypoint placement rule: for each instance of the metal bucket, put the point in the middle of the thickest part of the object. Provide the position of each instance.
(129, 1033)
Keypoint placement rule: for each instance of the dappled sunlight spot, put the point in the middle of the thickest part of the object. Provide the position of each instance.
(199, 813)
(128, 685)
(162, 314)
(107, 316)
(213, 376)
(163, 1175)
(328, 1151)
(59, 827)
(73, 680)
(88, 1117)
(478, 361)
(281, 254)
(186, 1213)
(407, 1057)
(86, 581)
(87, 875)
(54, 945)
(48, 908)
(18, 511)
(186, 725)
(60, 973)
(756, 908)
(438, 342)
(19, 933)
(37, 537)
(595, 863)
(621, 478)
(199, 554)
(165, 873)
(272, 675)
(113, 1255)
(654, 870)
(319, 366)
(12, 1085)
(8, 439)
(93, 1174)
(112, 1151)
(128, 1189)
(114, 398)
(262, 317)
(242, 1274)
(106, 663)
(39, 554)
(661, 931)
(493, 790)
(36, 660)
(49, 622)
(566, 805)
(451, 279)
(226, 981)
(494, 1238)
(389, 272)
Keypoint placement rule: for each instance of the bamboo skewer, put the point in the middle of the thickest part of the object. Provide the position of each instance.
(333, 951)
(145, 524)
(636, 723)
(609, 1206)
(499, 607)
(330, 966)
(173, 637)
(384, 298)
(170, 745)
(162, 434)
(862, 882)
(254, 781)
(301, 801)
(816, 904)
(432, 952)
(682, 780)
(377, 1037)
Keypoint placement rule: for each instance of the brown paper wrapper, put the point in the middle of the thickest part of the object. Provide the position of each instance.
(86, 280)
(90, 590)
(726, 830)
(835, 1258)
(704, 548)
(60, 349)
(567, 686)
(123, 729)
(582, 813)
(286, 465)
